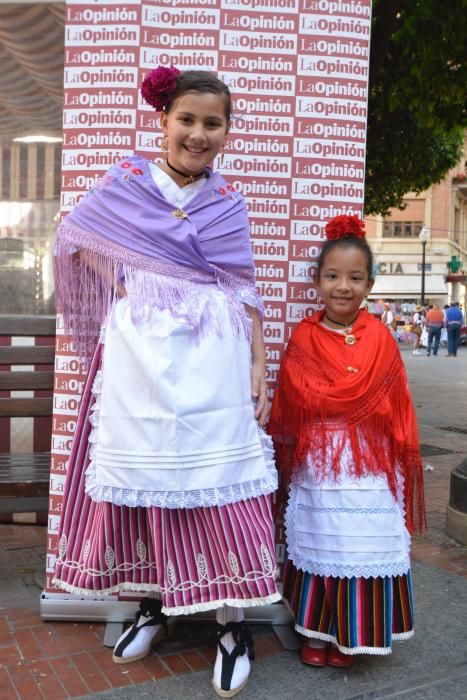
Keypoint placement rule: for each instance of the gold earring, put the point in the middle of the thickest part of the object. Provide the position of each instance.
(222, 154)
(165, 146)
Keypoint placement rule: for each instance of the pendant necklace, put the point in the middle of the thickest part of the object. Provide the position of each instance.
(188, 179)
(349, 337)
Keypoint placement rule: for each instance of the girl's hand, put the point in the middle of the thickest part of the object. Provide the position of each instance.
(259, 391)
(258, 368)
(121, 291)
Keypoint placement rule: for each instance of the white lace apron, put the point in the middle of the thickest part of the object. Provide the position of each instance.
(349, 527)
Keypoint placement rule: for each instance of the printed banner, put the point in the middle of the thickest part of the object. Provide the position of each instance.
(298, 73)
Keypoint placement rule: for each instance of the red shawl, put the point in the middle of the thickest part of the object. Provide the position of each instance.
(331, 394)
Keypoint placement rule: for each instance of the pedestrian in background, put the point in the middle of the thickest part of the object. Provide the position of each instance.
(454, 321)
(435, 320)
(417, 328)
(388, 317)
(444, 330)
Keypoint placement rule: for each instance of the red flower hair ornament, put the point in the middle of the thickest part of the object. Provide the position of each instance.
(344, 227)
(158, 87)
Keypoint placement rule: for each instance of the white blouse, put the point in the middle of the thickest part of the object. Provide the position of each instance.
(178, 196)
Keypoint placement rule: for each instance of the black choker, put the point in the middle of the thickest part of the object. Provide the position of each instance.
(188, 179)
(338, 323)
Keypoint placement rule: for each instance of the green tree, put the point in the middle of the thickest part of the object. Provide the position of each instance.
(417, 108)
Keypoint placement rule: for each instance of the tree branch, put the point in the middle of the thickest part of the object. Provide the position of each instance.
(385, 20)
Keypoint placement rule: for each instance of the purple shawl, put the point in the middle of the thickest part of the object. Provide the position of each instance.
(126, 231)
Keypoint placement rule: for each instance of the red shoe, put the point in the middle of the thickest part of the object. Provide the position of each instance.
(314, 657)
(339, 660)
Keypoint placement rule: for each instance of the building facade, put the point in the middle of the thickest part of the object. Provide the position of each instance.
(398, 250)
(29, 213)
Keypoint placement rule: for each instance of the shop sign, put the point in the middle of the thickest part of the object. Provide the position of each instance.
(456, 278)
(391, 268)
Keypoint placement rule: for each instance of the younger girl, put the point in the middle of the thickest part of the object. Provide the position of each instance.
(346, 435)
(169, 483)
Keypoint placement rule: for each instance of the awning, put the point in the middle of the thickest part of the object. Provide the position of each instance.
(31, 76)
(396, 286)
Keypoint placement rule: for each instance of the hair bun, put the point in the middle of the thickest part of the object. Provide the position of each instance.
(345, 226)
(158, 86)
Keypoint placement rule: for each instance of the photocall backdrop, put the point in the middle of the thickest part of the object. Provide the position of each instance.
(298, 73)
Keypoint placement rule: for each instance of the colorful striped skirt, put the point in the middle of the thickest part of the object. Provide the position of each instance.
(195, 558)
(358, 615)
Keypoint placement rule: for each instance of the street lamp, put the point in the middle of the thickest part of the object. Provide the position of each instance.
(424, 237)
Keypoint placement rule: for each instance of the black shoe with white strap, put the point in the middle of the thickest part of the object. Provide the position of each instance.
(150, 627)
(232, 668)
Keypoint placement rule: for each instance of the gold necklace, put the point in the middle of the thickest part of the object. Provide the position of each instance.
(349, 337)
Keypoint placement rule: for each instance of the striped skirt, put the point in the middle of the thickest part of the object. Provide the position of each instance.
(358, 615)
(196, 559)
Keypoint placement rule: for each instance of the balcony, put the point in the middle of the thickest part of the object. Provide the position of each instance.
(459, 182)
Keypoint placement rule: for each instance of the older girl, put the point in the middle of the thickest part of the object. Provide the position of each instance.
(170, 476)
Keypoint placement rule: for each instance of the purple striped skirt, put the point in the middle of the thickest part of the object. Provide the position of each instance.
(196, 559)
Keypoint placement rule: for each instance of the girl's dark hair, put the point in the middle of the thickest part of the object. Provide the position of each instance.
(200, 81)
(352, 242)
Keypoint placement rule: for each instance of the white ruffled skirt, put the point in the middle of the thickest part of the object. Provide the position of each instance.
(347, 527)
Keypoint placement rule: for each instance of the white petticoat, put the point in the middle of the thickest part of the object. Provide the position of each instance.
(352, 527)
(174, 421)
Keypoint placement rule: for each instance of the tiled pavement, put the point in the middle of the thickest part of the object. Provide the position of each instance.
(58, 660)
(439, 388)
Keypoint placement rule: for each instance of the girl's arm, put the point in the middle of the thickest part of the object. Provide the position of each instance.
(258, 369)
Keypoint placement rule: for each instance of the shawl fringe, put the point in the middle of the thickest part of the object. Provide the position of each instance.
(378, 428)
(90, 273)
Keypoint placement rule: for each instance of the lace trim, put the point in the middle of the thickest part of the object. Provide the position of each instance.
(215, 604)
(350, 651)
(105, 592)
(381, 570)
(317, 509)
(201, 498)
(341, 570)
(402, 636)
(177, 610)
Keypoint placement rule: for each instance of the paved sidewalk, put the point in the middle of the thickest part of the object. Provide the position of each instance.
(439, 389)
(51, 661)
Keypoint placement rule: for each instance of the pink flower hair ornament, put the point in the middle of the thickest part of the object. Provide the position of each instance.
(158, 87)
(345, 226)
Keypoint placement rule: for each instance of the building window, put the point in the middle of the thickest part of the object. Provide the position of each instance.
(401, 229)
